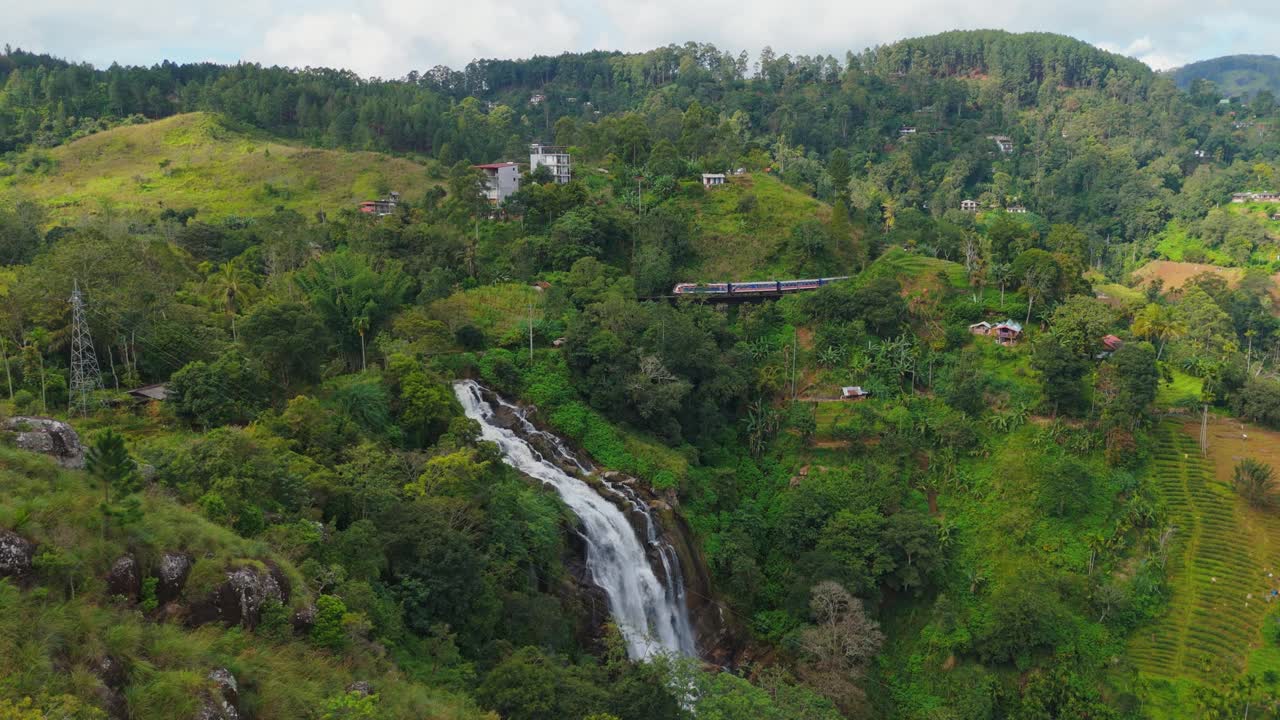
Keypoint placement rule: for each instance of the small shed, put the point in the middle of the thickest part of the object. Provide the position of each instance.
(853, 392)
(558, 342)
(158, 392)
(1111, 343)
(980, 328)
(712, 179)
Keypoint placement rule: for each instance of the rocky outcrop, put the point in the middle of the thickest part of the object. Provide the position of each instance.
(589, 601)
(223, 700)
(720, 641)
(125, 578)
(360, 687)
(171, 576)
(303, 620)
(16, 555)
(49, 437)
(238, 600)
(671, 545)
(112, 675)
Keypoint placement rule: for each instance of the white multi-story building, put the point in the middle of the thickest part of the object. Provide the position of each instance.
(554, 158)
(501, 180)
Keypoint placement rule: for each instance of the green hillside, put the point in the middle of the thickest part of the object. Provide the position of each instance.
(1217, 575)
(197, 160)
(744, 225)
(1235, 75)
(70, 641)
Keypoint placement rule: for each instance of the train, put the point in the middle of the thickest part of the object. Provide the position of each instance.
(757, 287)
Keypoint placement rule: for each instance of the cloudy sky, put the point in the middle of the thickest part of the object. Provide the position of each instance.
(388, 38)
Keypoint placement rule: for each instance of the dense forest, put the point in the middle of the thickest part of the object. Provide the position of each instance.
(1058, 518)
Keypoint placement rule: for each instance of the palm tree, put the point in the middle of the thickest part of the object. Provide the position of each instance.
(1160, 323)
(360, 324)
(1256, 482)
(231, 286)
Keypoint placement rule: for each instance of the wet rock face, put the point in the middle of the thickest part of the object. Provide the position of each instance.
(172, 576)
(16, 555)
(124, 578)
(49, 437)
(223, 703)
(590, 600)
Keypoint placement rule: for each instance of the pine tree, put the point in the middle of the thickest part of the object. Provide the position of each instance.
(109, 461)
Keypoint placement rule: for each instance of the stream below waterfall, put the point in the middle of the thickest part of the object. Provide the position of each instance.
(651, 614)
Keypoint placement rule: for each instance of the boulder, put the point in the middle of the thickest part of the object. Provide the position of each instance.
(111, 672)
(223, 700)
(239, 598)
(16, 554)
(360, 687)
(171, 575)
(112, 675)
(112, 702)
(124, 578)
(304, 619)
(49, 437)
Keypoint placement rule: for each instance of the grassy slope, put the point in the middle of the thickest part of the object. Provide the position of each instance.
(49, 639)
(213, 168)
(748, 246)
(1221, 553)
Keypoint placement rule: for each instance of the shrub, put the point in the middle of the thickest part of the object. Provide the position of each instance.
(329, 631)
(1255, 481)
(149, 602)
(25, 402)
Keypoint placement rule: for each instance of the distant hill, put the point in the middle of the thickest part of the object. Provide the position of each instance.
(1235, 75)
(197, 160)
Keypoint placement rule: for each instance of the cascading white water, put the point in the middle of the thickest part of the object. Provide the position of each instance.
(652, 617)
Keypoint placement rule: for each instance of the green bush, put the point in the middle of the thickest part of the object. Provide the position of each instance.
(329, 631)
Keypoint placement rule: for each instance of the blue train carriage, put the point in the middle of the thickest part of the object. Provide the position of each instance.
(755, 287)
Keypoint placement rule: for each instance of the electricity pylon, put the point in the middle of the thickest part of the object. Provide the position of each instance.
(85, 376)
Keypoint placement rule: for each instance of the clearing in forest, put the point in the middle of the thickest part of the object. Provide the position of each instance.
(199, 160)
(1218, 566)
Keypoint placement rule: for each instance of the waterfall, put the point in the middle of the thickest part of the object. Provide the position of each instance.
(651, 615)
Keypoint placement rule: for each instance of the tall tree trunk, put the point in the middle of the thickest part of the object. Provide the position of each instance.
(363, 366)
(1031, 299)
(8, 376)
(44, 399)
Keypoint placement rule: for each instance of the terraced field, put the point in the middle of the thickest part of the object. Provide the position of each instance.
(1217, 572)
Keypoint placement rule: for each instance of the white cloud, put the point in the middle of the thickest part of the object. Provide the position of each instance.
(1144, 49)
(391, 37)
(334, 40)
